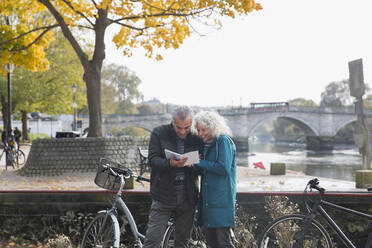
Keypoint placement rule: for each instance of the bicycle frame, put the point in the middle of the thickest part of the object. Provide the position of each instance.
(133, 226)
(318, 208)
(119, 203)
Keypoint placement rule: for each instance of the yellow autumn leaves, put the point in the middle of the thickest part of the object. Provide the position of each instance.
(151, 24)
(18, 46)
(166, 24)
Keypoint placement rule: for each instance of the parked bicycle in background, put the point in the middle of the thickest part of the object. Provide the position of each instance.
(299, 230)
(14, 156)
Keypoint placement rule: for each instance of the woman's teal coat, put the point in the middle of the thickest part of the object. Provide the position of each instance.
(218, 184)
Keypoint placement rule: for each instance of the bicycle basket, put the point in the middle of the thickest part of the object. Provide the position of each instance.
(105, 179)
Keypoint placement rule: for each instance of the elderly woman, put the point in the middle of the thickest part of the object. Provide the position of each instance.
(218, 184)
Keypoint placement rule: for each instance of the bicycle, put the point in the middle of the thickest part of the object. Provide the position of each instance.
(104, 229)
(197, 239)
(18, 154)
(298, 230)
(16, 157)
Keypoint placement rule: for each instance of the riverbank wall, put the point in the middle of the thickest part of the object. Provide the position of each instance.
(79, 203)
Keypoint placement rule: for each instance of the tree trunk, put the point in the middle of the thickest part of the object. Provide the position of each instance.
(93, 83)
(24, 125)
(92, 68)
(92, 76)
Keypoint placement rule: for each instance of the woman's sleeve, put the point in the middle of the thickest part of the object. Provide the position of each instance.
(224, 160)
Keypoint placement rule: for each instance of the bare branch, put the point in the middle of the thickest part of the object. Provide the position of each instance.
(192, 27)
(87, 27)
(164, 14)
(133, 27)
(94, 3)
(80, 13)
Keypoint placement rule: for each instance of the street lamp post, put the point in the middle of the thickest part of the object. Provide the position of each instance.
(9, 127)
(74, 105)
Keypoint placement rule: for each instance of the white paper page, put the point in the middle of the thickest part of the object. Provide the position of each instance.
(192, 157)
(168, 154)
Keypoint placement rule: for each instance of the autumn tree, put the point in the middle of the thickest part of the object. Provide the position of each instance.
(121, 84)
(336, 94)
(367, 102)
(109, 99)
(50, 91)
(302, 102)
(150, 24)
(146, 109)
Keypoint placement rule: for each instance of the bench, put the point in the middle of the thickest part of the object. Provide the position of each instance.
(143, 155)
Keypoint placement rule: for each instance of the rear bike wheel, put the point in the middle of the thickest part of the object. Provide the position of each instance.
(102, 232)
(288, 231)
(197, 239)
(20, 157)
(9, 159)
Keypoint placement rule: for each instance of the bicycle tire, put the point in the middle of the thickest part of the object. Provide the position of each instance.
(2, 154)
(287, 231)
(20, 158)
(9, 160)
(196, 241)
(109, 237)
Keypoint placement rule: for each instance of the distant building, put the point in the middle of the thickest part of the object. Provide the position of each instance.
(152, 102)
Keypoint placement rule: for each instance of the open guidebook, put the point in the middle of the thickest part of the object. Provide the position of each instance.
(192, 157)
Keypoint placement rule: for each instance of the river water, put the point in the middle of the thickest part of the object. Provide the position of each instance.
(341, 163)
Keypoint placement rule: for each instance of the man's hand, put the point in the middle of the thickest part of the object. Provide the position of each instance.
(177, 163)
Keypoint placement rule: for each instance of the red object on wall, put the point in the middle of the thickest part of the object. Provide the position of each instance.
(259, 165)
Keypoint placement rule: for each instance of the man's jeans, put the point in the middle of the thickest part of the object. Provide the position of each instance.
(158, 220)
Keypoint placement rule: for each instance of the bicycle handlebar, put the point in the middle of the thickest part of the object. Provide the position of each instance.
(126, 172)
(141, 178)
(313, 184)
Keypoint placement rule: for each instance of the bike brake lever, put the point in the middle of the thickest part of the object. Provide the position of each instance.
(140, 182)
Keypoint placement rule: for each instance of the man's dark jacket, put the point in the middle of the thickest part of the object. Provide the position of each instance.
(162, 174)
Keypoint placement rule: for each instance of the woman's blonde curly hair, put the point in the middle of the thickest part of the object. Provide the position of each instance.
(212, 121)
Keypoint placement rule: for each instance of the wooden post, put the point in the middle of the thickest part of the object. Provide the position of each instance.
(363, 178)
(277, 169)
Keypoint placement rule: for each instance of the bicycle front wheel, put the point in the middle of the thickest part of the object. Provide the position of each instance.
(102, 232)
(196, 241)
(294, 231)
(20, 158)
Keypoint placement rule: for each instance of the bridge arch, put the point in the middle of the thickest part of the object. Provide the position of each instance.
(147, 122)
(344, 124)
(308, 130)
(301, 123)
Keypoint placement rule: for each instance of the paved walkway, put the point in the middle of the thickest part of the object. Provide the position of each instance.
(249, 180)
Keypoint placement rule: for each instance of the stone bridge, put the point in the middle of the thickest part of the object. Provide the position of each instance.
(243, 121)
(315, 122)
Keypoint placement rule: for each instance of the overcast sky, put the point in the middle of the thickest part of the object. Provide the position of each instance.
(290, 49)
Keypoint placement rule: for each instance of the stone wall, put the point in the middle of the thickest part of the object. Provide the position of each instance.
(56, 156)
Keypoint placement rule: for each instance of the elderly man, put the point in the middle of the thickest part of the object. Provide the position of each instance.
(173, 186)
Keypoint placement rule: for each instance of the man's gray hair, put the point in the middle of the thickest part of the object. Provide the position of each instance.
(182, 113)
